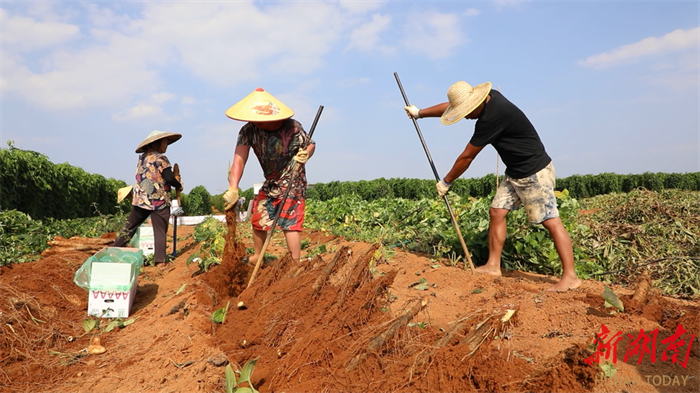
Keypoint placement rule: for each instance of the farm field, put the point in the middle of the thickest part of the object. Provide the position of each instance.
(335, 322)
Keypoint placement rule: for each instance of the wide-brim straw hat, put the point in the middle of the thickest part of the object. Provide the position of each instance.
(463, 100)
(259, 106)
(157, 135)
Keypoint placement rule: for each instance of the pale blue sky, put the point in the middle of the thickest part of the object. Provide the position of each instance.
(611, 86)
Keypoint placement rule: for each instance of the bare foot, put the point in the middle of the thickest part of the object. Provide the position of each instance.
(165, 266)
(565, 284)
(491, 271)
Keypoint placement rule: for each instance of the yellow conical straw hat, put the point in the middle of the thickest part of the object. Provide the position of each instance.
(259, 106)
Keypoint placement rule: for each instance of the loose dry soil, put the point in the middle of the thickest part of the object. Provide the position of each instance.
(353, 319)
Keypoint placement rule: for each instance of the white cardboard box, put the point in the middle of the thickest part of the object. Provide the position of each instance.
(147, 241)
(103, 300)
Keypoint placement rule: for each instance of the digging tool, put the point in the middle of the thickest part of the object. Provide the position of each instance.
(176, 172)
(437, 177)
(177, 211)
(278, 213)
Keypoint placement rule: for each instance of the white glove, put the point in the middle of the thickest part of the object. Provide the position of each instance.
(442, 187)
(302, 156)
(412, 111)
(230, 198)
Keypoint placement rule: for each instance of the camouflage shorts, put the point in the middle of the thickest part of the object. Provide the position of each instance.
(535, 192)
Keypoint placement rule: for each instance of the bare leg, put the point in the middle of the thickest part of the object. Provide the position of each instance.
(293, 239)
(562, 242)
(258, 241)
(497, 237)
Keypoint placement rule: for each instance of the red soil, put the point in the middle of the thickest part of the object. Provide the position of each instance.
(338, 331)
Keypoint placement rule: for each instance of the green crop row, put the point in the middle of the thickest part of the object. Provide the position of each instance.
(625, 232)
(425, 226)
(23, 238)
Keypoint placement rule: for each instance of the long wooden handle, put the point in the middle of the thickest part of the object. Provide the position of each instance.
(437, 177)
(176, 172)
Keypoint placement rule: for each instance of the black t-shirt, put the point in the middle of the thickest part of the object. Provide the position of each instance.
(509, 131)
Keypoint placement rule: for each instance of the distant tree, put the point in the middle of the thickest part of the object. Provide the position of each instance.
(197, 202)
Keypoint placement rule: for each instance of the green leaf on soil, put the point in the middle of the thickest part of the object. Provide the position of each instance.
(120, 323)
(89, 324)
(247, 370)
(423, 286)
(608, 369)
(230, 379)
(219, 316)
(612, 299)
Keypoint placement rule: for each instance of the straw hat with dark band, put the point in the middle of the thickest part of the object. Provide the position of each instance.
(463, 100)
(259, 106)
(156, 135)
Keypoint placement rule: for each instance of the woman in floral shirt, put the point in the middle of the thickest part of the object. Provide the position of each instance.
(279, 142)
(151, 193)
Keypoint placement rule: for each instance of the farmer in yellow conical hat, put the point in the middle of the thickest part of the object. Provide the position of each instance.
(277, 141)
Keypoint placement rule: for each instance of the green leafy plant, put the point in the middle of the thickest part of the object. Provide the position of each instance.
(316, 251)
(608, 369)
(612, 300)
(233, 384)
(90, 324)
(118, 323)
(219, 316)
(22, 238)
(422, 286)
(210, 234)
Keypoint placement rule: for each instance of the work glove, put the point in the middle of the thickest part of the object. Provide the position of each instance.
(230, 198)
(442, 187)
(412, 111)
(302, 156)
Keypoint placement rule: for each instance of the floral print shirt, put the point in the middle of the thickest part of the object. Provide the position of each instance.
(150, 191)
(275, 150)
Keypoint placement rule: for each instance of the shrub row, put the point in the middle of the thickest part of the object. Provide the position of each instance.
(32, 184)
(579, 186)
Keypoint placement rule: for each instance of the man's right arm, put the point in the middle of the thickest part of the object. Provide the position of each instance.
(463, 162)
(432, 111)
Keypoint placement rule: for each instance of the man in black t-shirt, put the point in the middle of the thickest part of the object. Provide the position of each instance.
(530, 176)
